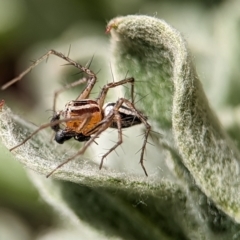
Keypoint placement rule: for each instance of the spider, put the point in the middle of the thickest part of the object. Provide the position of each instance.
(85, 119)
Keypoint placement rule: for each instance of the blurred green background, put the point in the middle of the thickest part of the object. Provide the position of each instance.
(28, 28)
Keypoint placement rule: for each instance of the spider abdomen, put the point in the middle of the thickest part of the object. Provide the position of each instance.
(128, 117)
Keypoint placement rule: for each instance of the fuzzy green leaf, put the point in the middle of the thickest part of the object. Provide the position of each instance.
(114, 203)
(156, 54)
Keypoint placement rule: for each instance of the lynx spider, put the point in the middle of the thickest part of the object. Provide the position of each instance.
(85, 119)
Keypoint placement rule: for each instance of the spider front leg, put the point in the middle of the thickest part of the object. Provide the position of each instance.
(60, 55)
(83, 95)
(69, 86)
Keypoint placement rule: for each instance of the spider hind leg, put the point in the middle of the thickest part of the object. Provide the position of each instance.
(124, 117)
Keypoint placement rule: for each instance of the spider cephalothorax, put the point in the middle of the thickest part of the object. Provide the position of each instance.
(85, 119)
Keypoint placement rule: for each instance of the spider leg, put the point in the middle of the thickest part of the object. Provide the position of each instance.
(143, 119)
(100, 99)
(43, 126)
(147, 131)
(91, 74)
(66, 87)
(117, 118)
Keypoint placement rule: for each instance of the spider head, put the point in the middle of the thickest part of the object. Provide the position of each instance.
(61, 136)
